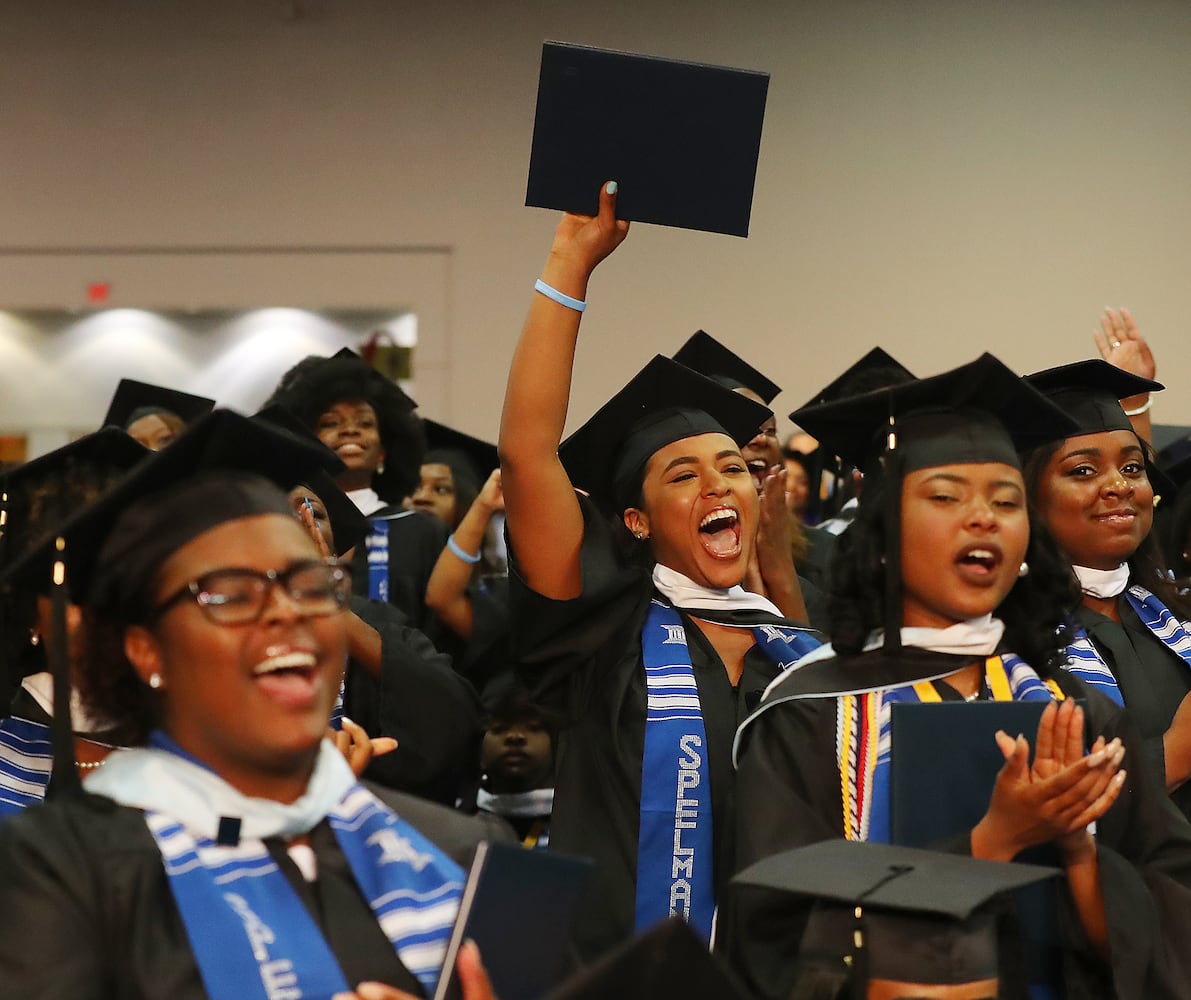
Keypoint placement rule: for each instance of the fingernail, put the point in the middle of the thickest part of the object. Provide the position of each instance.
(372, 991)
(347, 720)
(1119, 777)
(612, 187)
(1096, 759)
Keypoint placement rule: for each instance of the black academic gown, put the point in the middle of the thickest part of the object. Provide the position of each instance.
(420, 700)
(583, 658)
(1152, 678)
(789, 795)
(88, 913)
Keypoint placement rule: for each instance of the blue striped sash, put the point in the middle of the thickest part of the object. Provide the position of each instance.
(675, 862)
(1085, 662)
(675, 844)
(26, 759)
(254, 939)
(376, 545)
(1158, 618)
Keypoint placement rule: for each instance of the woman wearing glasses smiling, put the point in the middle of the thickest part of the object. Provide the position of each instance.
(231, 852)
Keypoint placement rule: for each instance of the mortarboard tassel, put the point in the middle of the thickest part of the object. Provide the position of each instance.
(893, 535)
(64, 779)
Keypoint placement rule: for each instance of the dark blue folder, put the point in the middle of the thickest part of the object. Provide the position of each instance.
(518, 906)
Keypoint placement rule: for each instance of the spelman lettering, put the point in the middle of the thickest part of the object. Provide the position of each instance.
(685, 818)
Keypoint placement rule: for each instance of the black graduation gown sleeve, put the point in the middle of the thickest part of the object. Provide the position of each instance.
(788, 784)
(420, 700)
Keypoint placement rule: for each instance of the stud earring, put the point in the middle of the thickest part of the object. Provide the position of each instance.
(34, 637)
(155, 680)
(380, 468)
(1023, 570)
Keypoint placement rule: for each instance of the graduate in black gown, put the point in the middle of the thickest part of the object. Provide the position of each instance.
(614, 600)
(230, 852)
(942, 541)
(371, 426)
(1096, 492)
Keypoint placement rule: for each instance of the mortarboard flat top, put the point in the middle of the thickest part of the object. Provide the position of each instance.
(221, 440)
(1089, 392)
(598, 450)
(876, 370)
(886, 876)
(44, 492)
(709, 357)
(681, 139)
(480, 454)
(957, 412)
(131, 395)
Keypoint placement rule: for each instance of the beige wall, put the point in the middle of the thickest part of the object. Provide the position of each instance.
(941, 177)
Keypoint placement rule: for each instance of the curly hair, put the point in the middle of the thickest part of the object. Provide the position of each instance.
(316, 383)
(1036, 612)
(1147, 565)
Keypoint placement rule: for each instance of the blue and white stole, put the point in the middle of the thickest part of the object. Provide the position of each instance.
(863, 739)
(376, 545)
(26, 759)
(251, 935)
(675, 852)
(1158, 618)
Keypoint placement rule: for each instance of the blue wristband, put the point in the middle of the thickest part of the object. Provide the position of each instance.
(563, 300)
(454, 547)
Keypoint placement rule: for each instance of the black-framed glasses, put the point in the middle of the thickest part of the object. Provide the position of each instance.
(316, 587)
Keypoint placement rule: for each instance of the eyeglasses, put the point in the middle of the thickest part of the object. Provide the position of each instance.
(239, 596)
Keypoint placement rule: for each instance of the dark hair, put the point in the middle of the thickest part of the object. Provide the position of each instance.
(1036, 611)
(1147, 565)
(463, 479)
(109, 685)
(316, 383)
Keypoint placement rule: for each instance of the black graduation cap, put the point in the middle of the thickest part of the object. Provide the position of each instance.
(462, 452)
(878, 369)
(42, 494)
(663, 402)
(1090, 393)
(709, 357)
(348, 525)
(681, 139)
(898, 913)
(979, 412)
(666, 961)
(133, 400)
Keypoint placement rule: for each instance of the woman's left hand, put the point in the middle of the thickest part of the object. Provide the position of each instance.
(1121, 343)
(357, 748)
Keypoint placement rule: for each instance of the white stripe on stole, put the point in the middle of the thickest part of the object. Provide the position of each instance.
(217, 855)
(662, 702)
(417, 897)
(37, 763)
(423, 958)
(405, 922)
(663, 681)
(12, 783)
(358, 800)
(227, 878)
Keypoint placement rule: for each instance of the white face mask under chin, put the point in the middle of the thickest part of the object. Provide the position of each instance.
(1103, 583)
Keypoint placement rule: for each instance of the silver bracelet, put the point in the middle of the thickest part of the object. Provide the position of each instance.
(1144, 408)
